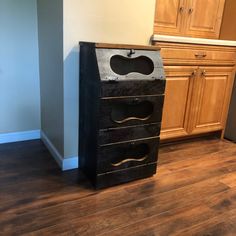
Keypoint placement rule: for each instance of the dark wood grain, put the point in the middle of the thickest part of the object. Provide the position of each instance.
(108, 100)
(194, 193)
(115, 153)
(114, 135)
(153, 116)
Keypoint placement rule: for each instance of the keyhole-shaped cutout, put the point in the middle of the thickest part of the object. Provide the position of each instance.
(123, 112)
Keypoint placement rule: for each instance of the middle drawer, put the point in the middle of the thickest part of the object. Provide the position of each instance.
(127, 111)
(122, 134)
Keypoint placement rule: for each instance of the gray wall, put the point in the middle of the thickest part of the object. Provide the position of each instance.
(19, 76)
(50, 30)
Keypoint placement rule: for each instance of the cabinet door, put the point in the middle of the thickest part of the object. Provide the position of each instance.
(211, 96)
(179, 83)
(169, 16)
(204, 18)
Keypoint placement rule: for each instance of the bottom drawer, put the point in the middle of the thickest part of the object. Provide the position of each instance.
(123, 176)
(128, 154)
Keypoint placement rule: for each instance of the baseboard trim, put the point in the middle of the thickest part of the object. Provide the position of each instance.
(64, 163)
(19, 136)
(70, 163)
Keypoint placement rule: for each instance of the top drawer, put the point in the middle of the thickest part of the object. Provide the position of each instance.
(129, 72)
(177, 53)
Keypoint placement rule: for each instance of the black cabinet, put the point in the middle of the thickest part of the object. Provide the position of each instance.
(121, 100)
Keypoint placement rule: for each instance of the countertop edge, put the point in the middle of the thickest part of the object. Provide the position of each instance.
(178, 39)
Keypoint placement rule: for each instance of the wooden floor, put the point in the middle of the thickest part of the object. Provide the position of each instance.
(194, 193)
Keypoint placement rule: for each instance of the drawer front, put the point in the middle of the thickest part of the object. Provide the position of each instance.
(125, 155)
(123, 134)
(128, 63)
(198, 55)
(129, 111)
(128, 72)
(130, 87)
(123, 176)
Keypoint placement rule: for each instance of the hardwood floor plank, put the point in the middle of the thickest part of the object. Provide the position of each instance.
(193, 194)
(230, 180)
(145, 207)
(222, 225)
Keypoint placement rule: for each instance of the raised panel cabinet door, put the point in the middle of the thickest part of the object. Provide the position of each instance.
(211, 96)
(179, 83)
(169, 16)
(204, 18)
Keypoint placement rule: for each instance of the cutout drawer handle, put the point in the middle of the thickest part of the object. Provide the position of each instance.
(134, 109)
(129, 160)
(131, 118)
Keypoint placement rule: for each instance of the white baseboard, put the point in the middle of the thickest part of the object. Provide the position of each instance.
(19, 136)
(65, 164)
(70, 163)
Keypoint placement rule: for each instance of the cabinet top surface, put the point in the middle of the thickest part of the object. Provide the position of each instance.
(123, 46)
(177, 39)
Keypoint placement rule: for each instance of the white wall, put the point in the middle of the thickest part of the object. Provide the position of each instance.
(50, 30)
(19, 76)
(111, 21)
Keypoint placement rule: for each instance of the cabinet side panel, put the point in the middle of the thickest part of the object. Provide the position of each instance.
(89, 103)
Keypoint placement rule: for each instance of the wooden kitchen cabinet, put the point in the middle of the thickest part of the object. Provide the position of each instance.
(211, 97)
(196, 18)
(179, 84)
(204, 18)
(199, 82)
(169, 17)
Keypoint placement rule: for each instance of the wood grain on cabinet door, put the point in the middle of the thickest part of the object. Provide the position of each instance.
(204, 18)
(179, 82)
(211, 96)
(169, 16)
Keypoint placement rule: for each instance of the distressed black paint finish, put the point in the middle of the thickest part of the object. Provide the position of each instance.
(149, 86)
(126, 175)
(114, 135)
(126, 111)
(120, 114)
(120, 156)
